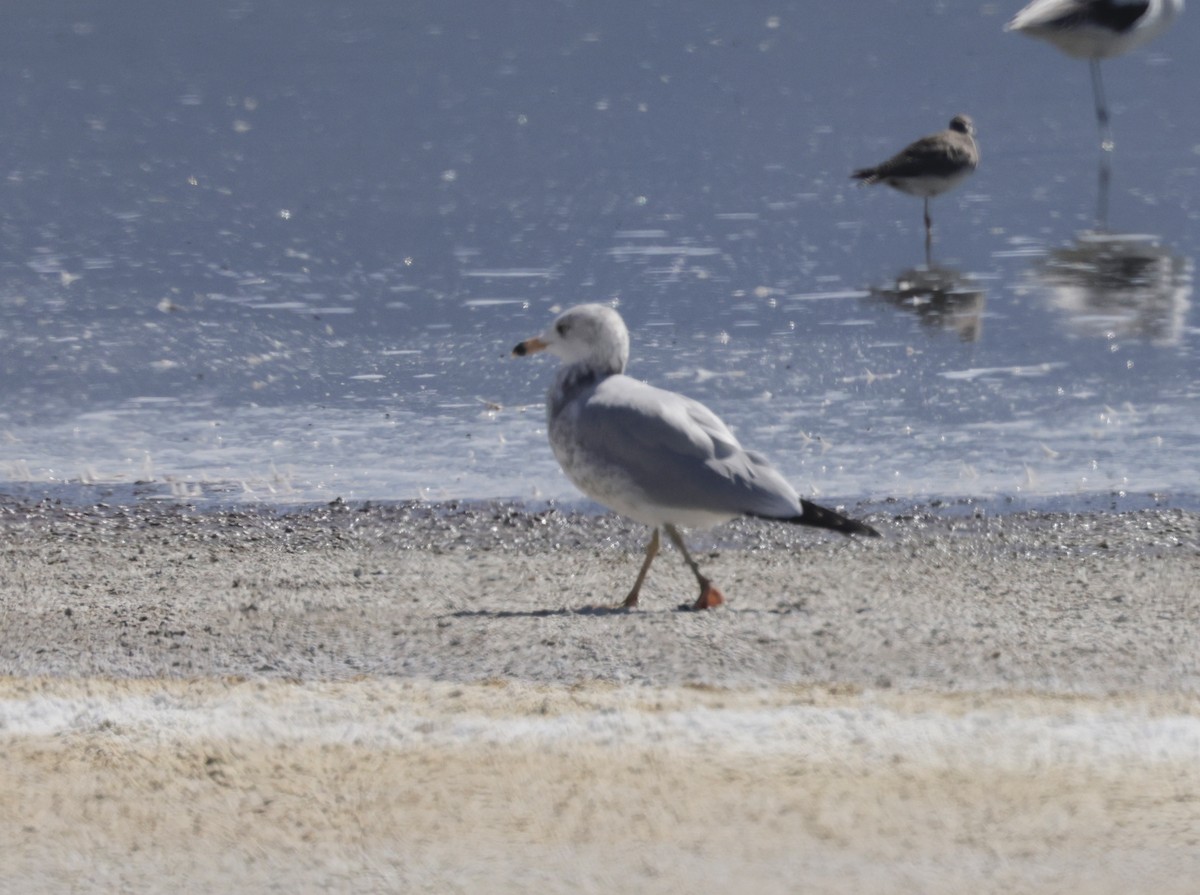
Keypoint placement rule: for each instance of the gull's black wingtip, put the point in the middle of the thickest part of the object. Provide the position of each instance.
(823, 517)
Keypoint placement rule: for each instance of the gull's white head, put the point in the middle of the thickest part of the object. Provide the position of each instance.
(591, 336)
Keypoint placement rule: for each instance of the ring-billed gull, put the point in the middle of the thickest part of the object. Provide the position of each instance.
(1095, 30)
(656, 456)
(931, 165)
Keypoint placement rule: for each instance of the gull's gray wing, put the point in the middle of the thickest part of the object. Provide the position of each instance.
(673, 450)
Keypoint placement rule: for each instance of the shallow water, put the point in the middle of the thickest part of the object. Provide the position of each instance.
(281, 251)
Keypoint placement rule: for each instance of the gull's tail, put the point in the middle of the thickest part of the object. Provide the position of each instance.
(822, 517)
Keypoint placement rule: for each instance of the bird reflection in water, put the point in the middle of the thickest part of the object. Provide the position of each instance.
(1119, 284)
(941, 297)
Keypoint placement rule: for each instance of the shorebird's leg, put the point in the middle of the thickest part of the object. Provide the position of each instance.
(928, 221)
(651, 551)
(709, 595)
(1106, 138)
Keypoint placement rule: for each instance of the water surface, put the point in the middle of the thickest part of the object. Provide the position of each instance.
(281, 250)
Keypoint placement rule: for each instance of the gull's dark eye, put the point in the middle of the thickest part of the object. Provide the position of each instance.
(561, 328)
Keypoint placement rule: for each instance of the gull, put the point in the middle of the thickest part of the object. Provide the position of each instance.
(653, 455)
(1095, 30)
(930, 166)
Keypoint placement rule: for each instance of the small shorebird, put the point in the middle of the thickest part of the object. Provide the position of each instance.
(930, 166)
(1095, 30)
(656, 456)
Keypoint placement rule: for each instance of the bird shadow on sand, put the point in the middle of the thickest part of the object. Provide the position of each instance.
(576, 611)
(603, 611)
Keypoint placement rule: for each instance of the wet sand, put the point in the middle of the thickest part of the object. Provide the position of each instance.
(434, 698)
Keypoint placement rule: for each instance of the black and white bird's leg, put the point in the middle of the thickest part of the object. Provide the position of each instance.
(1106, 138)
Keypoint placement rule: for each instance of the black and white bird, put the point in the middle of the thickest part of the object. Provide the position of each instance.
(653, 455)
(1096, 30)
(930, 166)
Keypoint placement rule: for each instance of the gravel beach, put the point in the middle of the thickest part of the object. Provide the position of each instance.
(418, 697)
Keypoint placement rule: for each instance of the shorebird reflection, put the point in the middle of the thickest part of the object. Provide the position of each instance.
(1103, 183)
(1119, 284)
(941, 297)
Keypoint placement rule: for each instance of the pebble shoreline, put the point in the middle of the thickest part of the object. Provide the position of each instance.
(438, 697)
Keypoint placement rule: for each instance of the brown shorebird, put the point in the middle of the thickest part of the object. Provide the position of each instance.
(1095, 30)
(931, 165)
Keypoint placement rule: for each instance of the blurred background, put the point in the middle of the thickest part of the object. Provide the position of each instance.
(280, 250)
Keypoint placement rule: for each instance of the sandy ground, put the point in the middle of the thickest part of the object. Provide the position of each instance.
(417, 698)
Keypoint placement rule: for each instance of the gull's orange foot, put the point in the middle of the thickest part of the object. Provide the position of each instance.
(710, 598)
